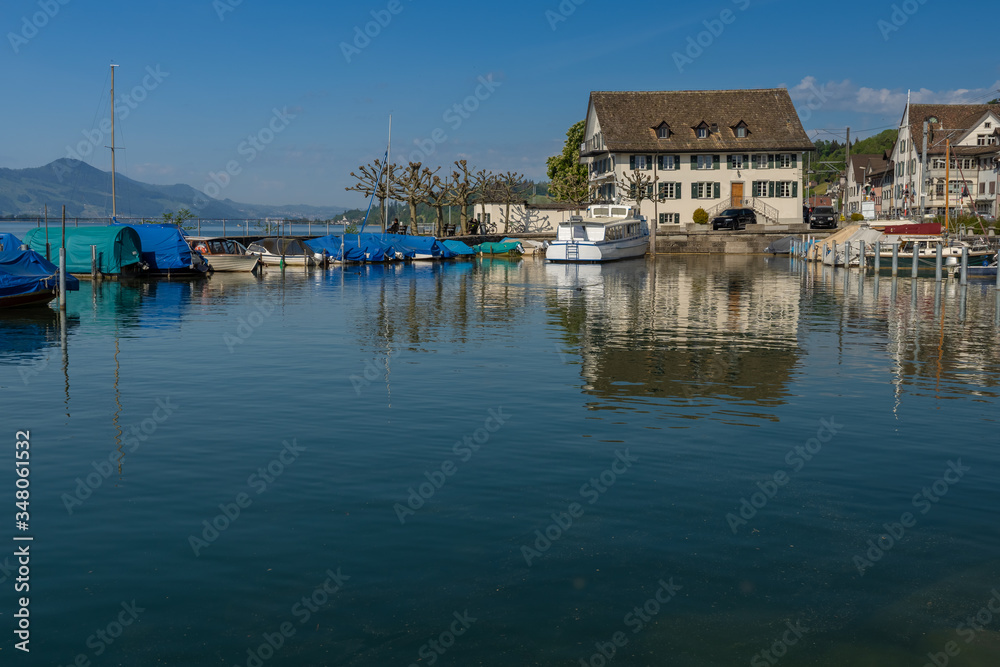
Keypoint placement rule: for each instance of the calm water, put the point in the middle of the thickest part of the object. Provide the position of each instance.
(393, 437)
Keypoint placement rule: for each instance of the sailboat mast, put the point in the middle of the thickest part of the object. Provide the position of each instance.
(388, 175)
(114, 209)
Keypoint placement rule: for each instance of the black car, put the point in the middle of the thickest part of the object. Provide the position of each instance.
(734, 218)
(823, 217)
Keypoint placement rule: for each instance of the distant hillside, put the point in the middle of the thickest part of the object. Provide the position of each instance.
(836, 152)
(86, 192)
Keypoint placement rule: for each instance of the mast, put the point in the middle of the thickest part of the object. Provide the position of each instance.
(947, 182)
(388, 175)
(114, 210)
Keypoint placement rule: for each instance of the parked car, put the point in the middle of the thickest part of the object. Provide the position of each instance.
(734, 218)
(823, 217)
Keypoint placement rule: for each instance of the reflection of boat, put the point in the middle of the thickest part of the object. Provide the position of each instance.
(225, 254)
(607, 233)
(26, 277)
(273, 251)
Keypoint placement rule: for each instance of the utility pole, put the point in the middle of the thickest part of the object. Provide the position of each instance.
(923, 176)
(847, 167)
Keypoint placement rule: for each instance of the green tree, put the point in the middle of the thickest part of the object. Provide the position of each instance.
(565, 168)
(179, 218)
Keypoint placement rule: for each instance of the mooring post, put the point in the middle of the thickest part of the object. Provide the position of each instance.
(916, 259)
(834, 262)
(895, 259)
(878, 256)
(863, 260)
(937, 262)
(93, 262)
(964, 276)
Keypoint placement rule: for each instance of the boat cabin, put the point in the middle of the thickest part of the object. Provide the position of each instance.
(603, 223)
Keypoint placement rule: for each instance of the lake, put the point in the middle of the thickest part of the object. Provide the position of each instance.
(691, 461)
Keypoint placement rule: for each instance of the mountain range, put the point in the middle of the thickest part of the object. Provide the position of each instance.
(86, 192)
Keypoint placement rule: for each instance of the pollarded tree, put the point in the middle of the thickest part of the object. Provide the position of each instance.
(438, 197)
(509, 188)
(571, 186)
(638, 186)
(462, 192)
(483, 182)
(413, 186)
(374, 177)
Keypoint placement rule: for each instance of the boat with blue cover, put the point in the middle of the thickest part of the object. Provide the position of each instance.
(26, 277)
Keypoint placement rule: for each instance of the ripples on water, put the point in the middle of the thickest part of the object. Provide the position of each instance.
(710, 370)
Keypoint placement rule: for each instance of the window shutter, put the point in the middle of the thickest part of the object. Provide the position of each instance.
(694, 191)
(770, 188)
(770, 161)
(716, 160)
(677, 190)
(715, 191)
(694, 161)
(753, 188)
(659, 162)
(795, 160)
(631, 162)
(746, 161)
(795, 187)
(649, 162)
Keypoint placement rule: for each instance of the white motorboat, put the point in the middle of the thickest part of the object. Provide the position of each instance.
(224, 254)
(606, 233)
(273, 251)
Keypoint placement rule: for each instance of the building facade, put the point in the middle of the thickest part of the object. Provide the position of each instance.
(865, 174)
(960, 168)
(699, 149)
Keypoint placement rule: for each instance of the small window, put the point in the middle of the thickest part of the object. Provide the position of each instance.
(736, 162)
(785, 160)
(705, 162)
(741, 132)
(987, 125)
(702, 132)
(663, 132)
(670, 162)
(670, 218)
(760, 188)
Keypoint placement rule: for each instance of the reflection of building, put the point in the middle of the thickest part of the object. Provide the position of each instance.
(683, 329)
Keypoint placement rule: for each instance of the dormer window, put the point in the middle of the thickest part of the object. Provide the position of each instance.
(740, 130)
(663, 131)
(702, 132)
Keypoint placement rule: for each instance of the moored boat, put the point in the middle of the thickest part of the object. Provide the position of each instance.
(224, 254)
(606, 233)
(273, 251)
(26, 277)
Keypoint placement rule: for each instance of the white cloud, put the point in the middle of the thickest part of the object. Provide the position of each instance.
(847, 96)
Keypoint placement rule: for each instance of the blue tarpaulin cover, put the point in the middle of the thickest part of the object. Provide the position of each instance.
(422, 245)
(164, 247)
(25, 271)
(457, 247)
(357, 247)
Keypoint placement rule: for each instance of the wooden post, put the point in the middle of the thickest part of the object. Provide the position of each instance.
(62, 265)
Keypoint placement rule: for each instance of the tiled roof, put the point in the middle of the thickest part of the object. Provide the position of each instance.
(874, 163)
(628, 120)
(954, 120)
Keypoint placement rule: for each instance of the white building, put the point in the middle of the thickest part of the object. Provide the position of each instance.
(969, 134)
(702, 149)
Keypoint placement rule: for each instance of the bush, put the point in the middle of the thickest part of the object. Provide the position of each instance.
(701, 216)
(855, 217)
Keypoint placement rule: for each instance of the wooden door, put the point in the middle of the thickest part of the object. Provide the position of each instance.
(737, 190)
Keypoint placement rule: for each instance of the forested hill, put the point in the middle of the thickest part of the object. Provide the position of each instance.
(835, 152)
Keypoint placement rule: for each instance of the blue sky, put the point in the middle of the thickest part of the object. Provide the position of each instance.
(203, 77)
